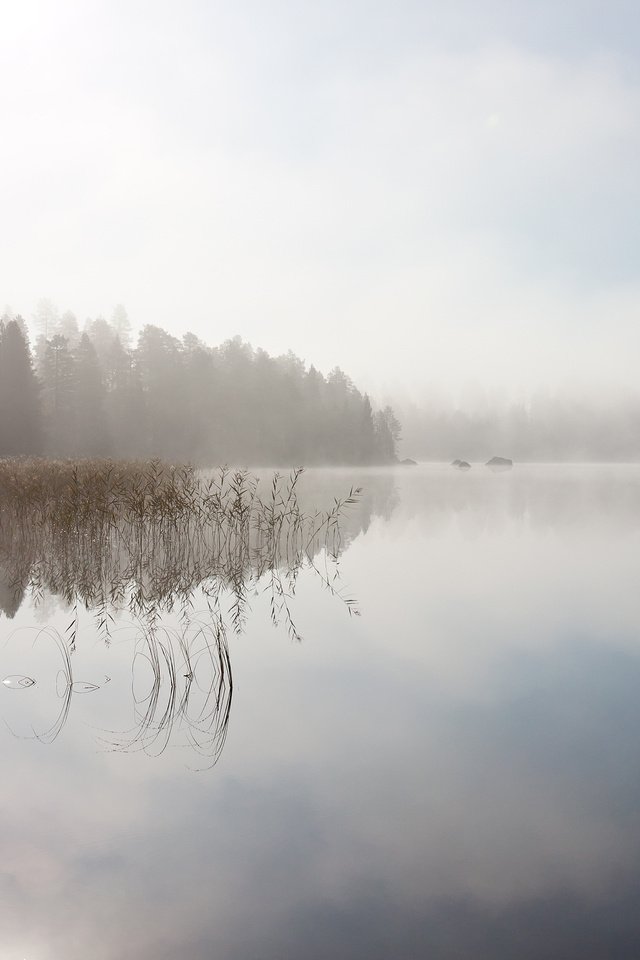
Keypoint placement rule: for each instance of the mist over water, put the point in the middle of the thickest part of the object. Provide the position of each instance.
(385, 707)
(454, 772)
(564, 425)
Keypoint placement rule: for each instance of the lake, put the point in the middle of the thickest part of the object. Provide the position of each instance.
(434, 754)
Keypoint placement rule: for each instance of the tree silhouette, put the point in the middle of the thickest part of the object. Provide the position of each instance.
(92, 433)
(59, 400)
(183, 400)
(20, 413)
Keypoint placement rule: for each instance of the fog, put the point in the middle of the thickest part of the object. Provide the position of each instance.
(425, 195)
(452, 773)
(319, 479)
(558, 425)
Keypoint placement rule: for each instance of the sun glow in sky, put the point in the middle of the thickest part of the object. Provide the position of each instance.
(427, 194)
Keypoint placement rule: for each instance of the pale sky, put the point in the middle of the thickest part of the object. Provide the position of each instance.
(424, 193)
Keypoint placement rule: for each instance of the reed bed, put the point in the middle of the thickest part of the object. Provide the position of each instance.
(145, 535)
(149, 538)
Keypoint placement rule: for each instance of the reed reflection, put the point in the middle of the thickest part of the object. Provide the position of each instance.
(182, 687)
(150, 540)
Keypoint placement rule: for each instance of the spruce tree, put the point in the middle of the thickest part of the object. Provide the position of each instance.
(20, 413)
(59, 388)
(92, 434)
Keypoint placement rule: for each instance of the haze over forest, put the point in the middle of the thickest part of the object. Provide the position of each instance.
(101, 391)
(93, 393)
(427, 196)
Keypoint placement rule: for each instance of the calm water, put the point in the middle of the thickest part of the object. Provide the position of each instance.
(453, 774)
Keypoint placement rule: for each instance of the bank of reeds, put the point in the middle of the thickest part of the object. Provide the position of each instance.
(150, 537)
(146, 534)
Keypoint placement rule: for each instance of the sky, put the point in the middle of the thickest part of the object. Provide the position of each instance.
(428, 194)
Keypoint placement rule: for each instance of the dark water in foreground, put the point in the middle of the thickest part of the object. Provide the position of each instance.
(453, 774)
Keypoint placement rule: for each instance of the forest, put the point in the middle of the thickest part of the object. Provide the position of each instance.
(94, 393)
(550, 426)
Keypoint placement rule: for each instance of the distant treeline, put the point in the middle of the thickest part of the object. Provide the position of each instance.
(550, 427)
(92, 393)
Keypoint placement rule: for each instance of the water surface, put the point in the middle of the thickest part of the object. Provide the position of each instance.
(454, 773)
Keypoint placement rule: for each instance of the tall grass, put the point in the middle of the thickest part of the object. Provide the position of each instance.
(146, 535)
(149, 538)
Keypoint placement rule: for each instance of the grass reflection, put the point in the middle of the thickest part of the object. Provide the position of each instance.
(151, 539)
(190, 691)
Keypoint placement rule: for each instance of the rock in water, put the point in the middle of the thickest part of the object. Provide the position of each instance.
(408, 462)
(500, 463)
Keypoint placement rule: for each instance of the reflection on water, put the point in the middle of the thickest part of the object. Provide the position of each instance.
(453, 774)
(180, 680)
(18, 683)
(144, 540)
(151, 543)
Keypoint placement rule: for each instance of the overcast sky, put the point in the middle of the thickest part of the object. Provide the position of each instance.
(424, 193)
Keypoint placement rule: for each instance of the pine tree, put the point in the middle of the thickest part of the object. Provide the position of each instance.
(121, 325)
(387, 435)
(159, 359)
(367, 438)
(125, 402)
(58, 390)
(20, 413)
(92, 435)
(67, 327)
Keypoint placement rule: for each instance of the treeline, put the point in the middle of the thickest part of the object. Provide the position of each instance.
(558, 426)
(93, 393)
